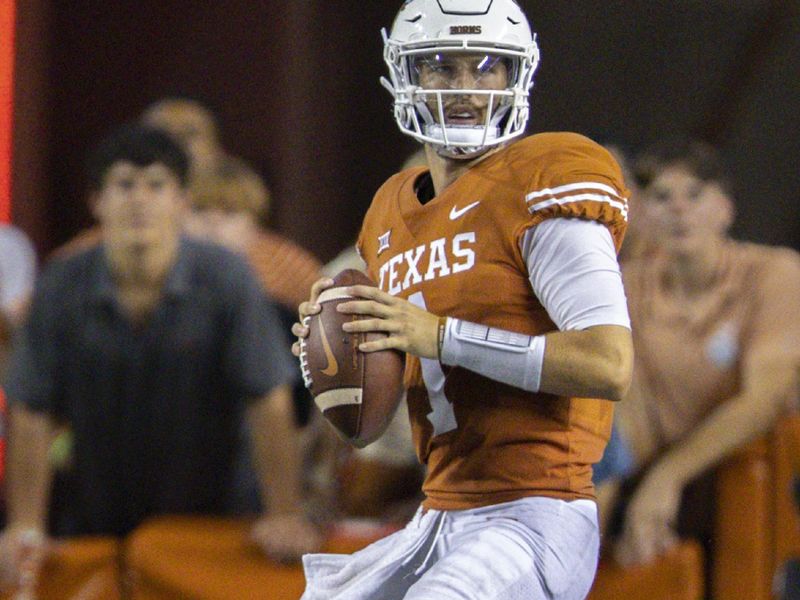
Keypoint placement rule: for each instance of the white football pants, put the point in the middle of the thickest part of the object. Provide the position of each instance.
(529, 549)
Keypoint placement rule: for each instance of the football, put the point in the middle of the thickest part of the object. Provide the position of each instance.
(356, 392)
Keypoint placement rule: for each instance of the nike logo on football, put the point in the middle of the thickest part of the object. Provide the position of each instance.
(456, 213)
(332, 368)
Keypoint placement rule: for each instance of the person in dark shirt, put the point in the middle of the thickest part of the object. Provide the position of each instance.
(151, 347)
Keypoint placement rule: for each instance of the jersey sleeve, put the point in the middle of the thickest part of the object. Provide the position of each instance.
(578, 179)
(574, 272)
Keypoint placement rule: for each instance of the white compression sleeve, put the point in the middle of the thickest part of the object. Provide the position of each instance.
(574, 272)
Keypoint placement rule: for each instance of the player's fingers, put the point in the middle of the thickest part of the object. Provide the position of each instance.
(364, 307)
(393, 342)
(318, 287)
(371, 293)
(308, 308)
(362, 325)
(301, 330)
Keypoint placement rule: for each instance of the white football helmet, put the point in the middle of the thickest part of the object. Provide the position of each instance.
(431, 29)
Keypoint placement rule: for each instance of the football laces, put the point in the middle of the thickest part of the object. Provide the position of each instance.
(303, 356)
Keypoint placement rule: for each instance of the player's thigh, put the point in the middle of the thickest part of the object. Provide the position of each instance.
(531, 549)
(484, 564)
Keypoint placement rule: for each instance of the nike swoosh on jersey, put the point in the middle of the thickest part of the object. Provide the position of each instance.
(332, 368)
(456, 213)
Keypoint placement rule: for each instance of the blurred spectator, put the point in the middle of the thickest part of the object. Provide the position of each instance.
(232, 202)
(193, 126)
(190, 124)
(285, 269)
(716, 325)
(230, 205)
(153, 348)
(17, 274)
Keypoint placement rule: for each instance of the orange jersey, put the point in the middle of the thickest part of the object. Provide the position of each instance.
(459, 255)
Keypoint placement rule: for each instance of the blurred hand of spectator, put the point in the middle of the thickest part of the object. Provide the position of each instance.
(286, 536)
(651, 518)
(22, 552)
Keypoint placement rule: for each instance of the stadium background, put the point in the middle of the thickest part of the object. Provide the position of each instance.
(295, 85)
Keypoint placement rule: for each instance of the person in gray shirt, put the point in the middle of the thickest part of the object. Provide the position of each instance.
(152, 348)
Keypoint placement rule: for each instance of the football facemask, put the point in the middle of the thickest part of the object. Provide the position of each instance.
(460, 73)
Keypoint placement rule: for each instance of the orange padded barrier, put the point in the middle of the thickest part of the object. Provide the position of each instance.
(678, 575)
(757, 526)
(81, 569)
(211, 559)
(204, 559)
(757, 529)
(786, 455)
(743, 561)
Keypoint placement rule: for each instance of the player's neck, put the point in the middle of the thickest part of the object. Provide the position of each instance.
(445, 171)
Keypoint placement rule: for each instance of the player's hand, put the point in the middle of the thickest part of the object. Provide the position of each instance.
(22, 552)
(649, 529)
(306, 309)
(411, 329)
(286, 537)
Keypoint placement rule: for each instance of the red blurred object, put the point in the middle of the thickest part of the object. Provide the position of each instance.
(7, 51)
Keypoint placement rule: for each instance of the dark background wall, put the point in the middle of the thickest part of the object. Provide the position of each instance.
(295, 86)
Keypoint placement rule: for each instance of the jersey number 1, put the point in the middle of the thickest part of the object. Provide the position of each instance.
(442, 416)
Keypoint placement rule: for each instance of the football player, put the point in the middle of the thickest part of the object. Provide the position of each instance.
(497, 274)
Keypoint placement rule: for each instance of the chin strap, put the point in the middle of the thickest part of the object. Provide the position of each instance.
(482, 136)
(461, 153)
